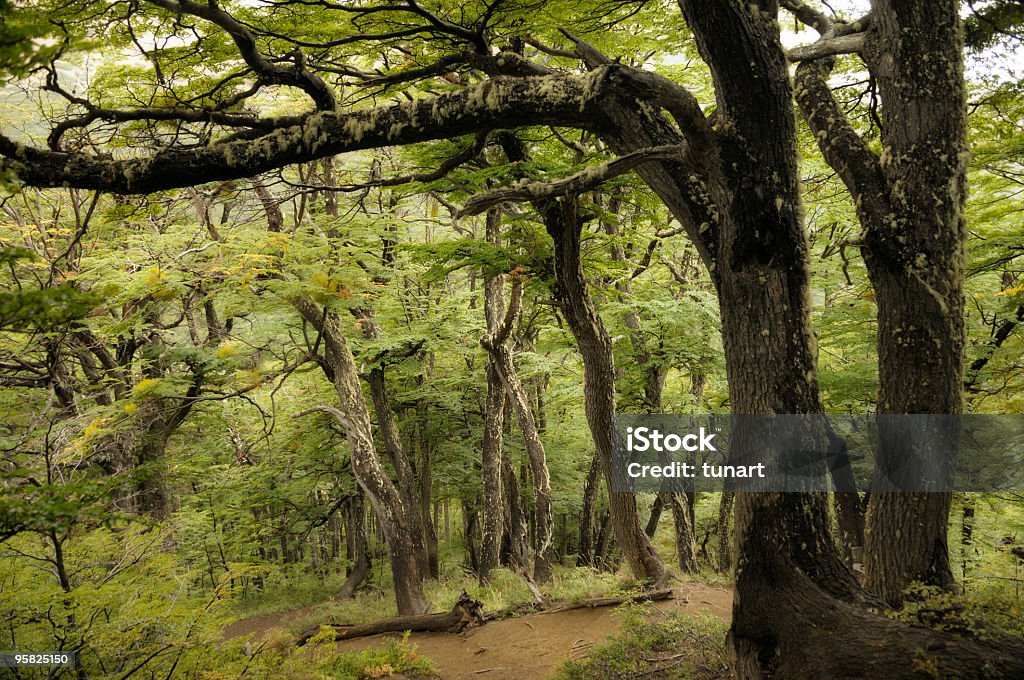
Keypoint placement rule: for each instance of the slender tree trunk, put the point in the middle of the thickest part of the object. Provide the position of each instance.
(686, 550)
(499, 324)
(585, 557)
(355, 527)
(652, 520)
(595, 348)
(517, 544)
(493, 503)
(393, 515)
(408, 487)
(725, 532)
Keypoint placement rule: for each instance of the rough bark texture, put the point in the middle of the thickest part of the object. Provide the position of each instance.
(916, 49)
(910, 203)
(761, 271)
(408, 487)
(493, 501)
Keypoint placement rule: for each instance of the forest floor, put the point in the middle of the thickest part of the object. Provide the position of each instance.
(528, 647)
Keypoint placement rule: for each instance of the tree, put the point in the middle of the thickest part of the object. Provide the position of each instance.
(914, 254)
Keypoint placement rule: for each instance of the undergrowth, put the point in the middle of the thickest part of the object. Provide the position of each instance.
(676, 646)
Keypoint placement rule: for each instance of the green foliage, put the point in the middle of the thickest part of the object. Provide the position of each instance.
(677, 646)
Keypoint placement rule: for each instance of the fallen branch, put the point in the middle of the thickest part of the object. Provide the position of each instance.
(466, 612)
(590, 603)
(469, 612)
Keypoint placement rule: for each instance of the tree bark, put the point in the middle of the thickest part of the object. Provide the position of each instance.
(355, 527)
(493, 502)
(466, 612)
(499, 326)
(353, 414)
(725, 532)
(914, 258)
(585, 557)
(562, 222)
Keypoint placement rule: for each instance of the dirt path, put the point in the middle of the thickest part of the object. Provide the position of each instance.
(524, 648)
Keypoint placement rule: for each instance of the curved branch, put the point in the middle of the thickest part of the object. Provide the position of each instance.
(828, 47)
(585, 180)
(297, 76)
(502, 102)
(329, 410)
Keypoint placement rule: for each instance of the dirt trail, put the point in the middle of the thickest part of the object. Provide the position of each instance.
(525, 648)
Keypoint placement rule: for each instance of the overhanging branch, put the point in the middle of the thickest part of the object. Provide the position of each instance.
(498, 103)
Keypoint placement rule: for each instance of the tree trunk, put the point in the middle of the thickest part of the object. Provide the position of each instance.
(585, 557)
(725, 532)
(404, 551)
(686, 550)
(355, 527)
(762, 276)
(913, 246)
(516, 549)
(408, 486)
(495, 342)
(562, 222)
(655, 517)
(917, 51)
(493, 502)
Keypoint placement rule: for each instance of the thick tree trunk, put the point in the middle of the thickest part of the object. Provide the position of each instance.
(762, 275)
(403, 549)
(916, 49)
(910, 203)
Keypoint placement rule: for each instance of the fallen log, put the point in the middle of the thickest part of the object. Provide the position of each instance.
(466, 612)
(589, 603)
(592, 602)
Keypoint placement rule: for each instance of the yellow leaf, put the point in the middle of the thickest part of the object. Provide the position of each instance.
(145, 385)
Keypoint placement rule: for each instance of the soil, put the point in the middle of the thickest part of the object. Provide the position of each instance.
(525, 648)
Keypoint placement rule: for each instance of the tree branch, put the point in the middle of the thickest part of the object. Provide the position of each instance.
(297, 76)
(329, 410)
(501, 102)
(585, 180)
(828, 47)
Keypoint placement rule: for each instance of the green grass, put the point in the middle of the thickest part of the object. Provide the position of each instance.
(279, 658)
(676, 646)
